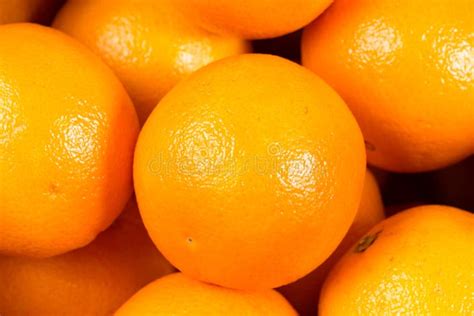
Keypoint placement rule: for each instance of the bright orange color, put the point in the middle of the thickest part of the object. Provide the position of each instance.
(249, 173)
(406, 70)
(67, 135)
(303, 294)
(14, 11)
(148, 44)
(177, 294)
(420, 262)
(252, 19)
(94, 280)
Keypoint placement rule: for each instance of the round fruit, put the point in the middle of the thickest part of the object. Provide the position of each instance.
(148, 44)
(94, 280)
(27, 10)
(303, 294)
(249, 173)
(406, 70)
(417, 262)
(177, 294)
(67, 135)
(252, 19)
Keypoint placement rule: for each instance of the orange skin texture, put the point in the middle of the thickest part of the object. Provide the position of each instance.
(66, 172)
(94, 280)
(406, 70)
(148, 44)
(26, 10)
(252, 19)
(248, 185)
(420, 263)
(303, 294)
(177, 294)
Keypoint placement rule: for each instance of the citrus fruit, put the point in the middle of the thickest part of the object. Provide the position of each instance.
(67, 136)
(249, 173)
(303, 294)
(94, 280)
(406, 70)
(417, 262)
(252, 19)
(27, 10)
(148, 44)
(177, 294)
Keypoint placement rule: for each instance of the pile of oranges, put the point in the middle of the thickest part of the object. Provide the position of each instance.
(152, 164)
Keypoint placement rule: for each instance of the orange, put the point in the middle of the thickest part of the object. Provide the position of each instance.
(177, 294)
(418, 262)
(27, 10)
(406, 70)
(148, 44)
(303, 294)
(67, 136)
(253, 19)
(94, 280)
(249, 173)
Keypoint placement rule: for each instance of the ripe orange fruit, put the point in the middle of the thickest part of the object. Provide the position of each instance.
(406, 70)
(67, 135)
(27, 10)
(252, 19)
(249, 173)
(303, 294)
(417, 262)
(177, 294)
(94, 280)
(148, 44)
